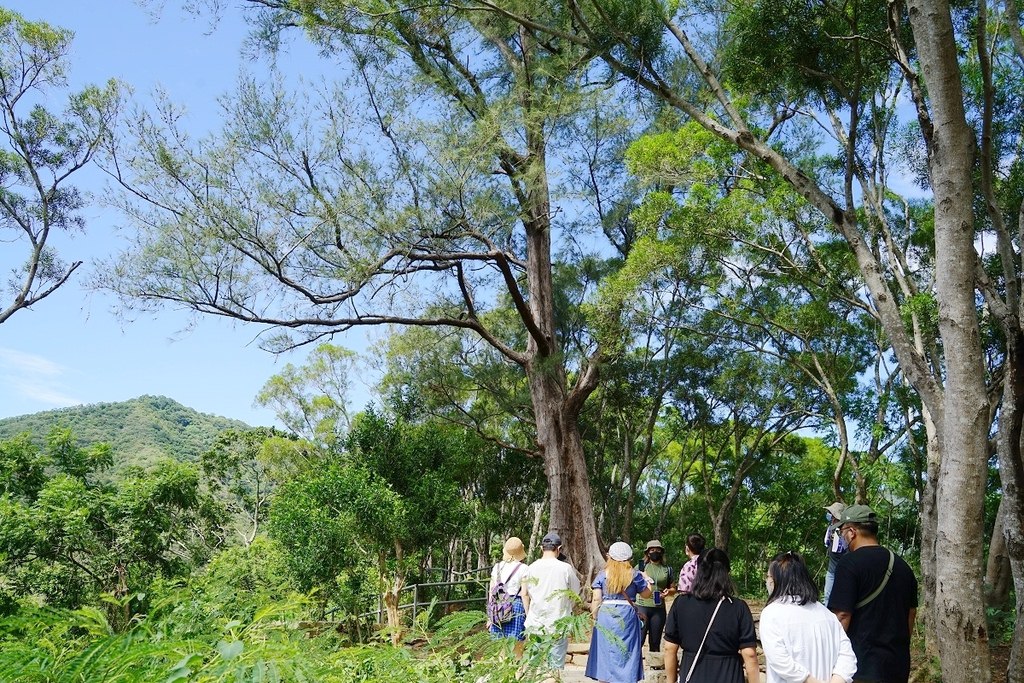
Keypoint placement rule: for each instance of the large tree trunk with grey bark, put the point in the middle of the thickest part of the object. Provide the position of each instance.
(961, 627)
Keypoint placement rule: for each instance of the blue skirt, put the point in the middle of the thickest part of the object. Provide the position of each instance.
(515, 628)
(615, 646)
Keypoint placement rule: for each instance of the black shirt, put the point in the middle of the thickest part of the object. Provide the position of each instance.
(732, 630)
(878, 630)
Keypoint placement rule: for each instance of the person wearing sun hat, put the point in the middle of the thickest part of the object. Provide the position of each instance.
(615, 655)
(510, 572)
(834, 545)
(875, 599)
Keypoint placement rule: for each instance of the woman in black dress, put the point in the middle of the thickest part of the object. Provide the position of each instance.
(714, 629)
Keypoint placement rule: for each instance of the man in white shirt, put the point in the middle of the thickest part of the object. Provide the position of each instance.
(546, 601)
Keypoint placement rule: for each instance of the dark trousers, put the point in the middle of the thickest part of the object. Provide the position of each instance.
(654, 625)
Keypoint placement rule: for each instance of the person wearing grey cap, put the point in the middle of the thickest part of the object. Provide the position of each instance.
(615, 643)
(875, 599)
(546, 583)
(834, 544)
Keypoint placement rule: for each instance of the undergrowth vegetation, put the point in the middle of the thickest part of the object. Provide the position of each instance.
(238, 620)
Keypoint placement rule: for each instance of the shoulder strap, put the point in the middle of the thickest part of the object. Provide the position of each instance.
(714, 614)
(512, 573)
(881, 586)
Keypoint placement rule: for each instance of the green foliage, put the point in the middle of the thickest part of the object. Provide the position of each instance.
(39, 150)
(190, 635)
(379, 509)
(312, 400)
(242, 469)
(321, 517)
(787, 49)
(1002, 621)
(65, 537)
(139, 432)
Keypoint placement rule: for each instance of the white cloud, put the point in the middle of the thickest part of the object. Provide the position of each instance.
(34, 378)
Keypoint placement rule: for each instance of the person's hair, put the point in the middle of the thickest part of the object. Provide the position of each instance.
(791, 578)
(619, 574)
(866, 528)
(712, 579)
(696, 543)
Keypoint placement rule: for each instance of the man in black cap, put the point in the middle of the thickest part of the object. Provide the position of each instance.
(875, 599)
(546, 582)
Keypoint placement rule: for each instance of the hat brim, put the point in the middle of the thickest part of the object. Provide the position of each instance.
(835, 509)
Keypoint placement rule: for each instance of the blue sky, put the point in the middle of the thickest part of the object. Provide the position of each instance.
(70, 348)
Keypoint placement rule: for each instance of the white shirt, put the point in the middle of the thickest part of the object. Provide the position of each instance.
(804, 639)
(544, 581)
(504, 570)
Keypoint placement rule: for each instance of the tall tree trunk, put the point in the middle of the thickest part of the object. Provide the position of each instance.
(556, 408)
(1011, 474)
(556, 411)
(961, 627)
(572, 508)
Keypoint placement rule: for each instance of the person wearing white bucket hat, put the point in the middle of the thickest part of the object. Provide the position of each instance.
(615, 643)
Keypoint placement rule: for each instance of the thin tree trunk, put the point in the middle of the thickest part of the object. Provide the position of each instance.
(626, 529)
(997, 571)
(393, 593)
(722, 522)
(535, 529)
(929, 521)
(1011, 508)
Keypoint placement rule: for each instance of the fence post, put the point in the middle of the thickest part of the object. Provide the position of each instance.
(415, 601)
(380, 609)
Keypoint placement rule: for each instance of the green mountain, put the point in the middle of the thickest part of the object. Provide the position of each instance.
(140, 431)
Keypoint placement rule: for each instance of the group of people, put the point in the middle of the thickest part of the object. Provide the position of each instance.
(541, 594)
(861, 632)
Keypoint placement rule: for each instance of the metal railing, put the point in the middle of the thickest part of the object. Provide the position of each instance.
(481, 579)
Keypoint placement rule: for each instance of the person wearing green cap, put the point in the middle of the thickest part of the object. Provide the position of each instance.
(875, 598)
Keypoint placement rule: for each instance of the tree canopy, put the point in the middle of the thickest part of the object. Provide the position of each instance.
(40, 149)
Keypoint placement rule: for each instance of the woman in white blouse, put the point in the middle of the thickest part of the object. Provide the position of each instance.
(802, 640)
(509, 572)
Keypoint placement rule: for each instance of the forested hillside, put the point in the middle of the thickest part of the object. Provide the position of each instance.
(140, 431)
